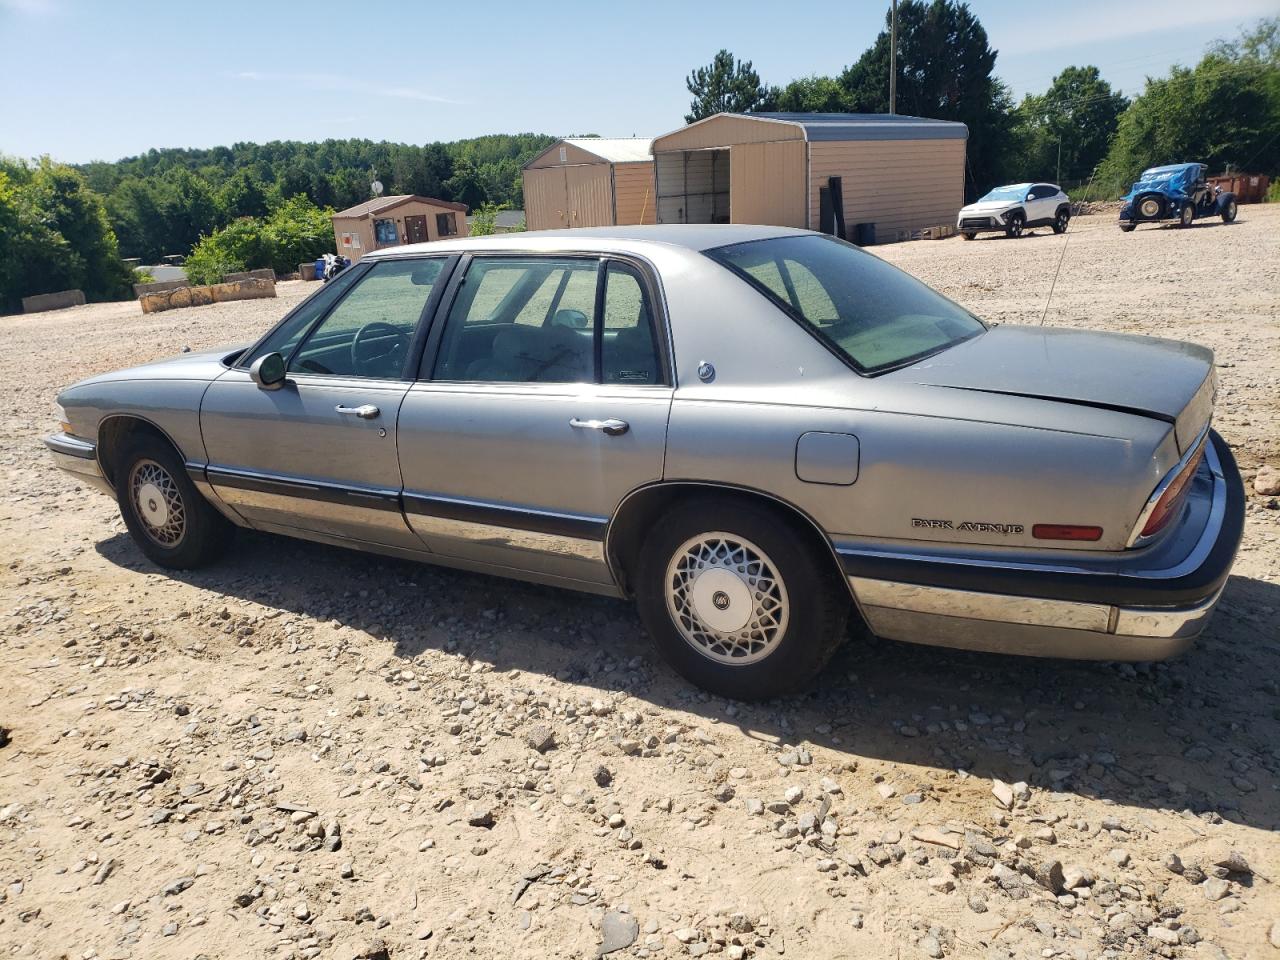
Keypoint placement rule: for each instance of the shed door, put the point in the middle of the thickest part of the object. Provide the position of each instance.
(767, 183)
(590, 192)
(546, 198)
(415, 229)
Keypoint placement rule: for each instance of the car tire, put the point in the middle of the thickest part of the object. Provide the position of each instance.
(968, 235)
(1186, 215)
(168, 518)
(1150, 207)
(1229, 212)
(1127, 227)
(1060, 220)
(737, 600)
(1013, 226)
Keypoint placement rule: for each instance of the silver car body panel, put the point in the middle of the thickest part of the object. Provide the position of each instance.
(947, 463)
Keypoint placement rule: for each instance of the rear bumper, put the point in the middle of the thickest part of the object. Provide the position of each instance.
(1092, 611)
(78, 458)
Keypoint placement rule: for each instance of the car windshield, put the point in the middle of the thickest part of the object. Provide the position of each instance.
(1007, 193)
(873, 315)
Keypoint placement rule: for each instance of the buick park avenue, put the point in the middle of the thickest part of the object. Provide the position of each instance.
(756, 433)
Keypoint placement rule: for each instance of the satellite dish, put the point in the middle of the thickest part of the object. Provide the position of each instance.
(376, 187)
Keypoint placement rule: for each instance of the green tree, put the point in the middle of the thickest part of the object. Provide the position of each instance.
(1077, 114)
(241, 195)
(813, 94)
(945, 71)
(69, 207)
(726, 85)
(1224, 111)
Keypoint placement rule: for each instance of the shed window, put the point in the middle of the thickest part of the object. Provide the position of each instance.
(384, 231)
(447, 224)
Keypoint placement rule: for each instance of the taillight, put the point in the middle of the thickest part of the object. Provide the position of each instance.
(1065, 531)
(1166, 508)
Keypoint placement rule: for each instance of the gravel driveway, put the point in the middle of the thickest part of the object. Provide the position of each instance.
(310, 752)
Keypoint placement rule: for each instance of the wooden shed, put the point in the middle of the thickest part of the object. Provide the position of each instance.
(902, 174)
(392, 221)
(590, 182)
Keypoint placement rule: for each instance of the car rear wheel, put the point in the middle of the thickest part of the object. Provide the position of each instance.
(166, 515)
(1186, 215)
(1061, 220)
(737, 600)
(1013, 226)
(1151, 208)
(1229, 212)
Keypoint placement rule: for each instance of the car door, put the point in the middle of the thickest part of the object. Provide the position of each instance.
(318, 454)
(544, 401)
(1042, 207)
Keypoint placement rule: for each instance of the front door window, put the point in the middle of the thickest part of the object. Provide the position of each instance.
(368, 334)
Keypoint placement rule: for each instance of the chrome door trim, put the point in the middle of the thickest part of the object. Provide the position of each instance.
(505, 517)
(368, 498)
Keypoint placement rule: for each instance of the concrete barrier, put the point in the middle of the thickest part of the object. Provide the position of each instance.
(265, 273)
(179, 297)
(53, 301)
(156, 286)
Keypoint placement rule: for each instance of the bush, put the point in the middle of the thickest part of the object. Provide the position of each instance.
(484, 222)
(297, 231)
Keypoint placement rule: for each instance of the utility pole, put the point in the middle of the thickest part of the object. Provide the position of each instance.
(893, 57)
(1059, 180)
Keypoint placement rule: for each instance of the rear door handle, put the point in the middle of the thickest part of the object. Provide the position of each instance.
(614, 428)
(366, 411)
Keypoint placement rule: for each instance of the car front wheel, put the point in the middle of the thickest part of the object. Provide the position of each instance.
(166, 515)
(1229, 212)
(1013, 226)
(1186, 215)
(738, 601)
(968, 235)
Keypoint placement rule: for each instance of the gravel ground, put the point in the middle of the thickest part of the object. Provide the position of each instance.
(310, 752)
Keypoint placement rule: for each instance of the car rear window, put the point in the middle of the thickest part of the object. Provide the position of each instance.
(873, 315)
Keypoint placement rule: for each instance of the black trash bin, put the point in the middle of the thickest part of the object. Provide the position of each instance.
(864, 234)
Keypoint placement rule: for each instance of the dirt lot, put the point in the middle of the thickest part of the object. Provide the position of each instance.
(309, 752)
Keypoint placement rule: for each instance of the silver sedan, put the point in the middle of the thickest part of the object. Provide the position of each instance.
(757, 433)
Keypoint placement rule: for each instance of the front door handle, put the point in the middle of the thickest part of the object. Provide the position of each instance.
(614, 428)
(366, 411)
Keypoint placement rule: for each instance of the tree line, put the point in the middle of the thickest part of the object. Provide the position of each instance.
(1224, 111)
(163, 201)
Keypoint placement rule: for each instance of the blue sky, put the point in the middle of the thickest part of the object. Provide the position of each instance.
(102, 79)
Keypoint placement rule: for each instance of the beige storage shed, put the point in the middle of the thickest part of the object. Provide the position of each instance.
(590, 182)
(902, 174)
(392, 221)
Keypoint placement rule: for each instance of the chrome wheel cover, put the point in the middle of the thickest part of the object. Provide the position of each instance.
(1149, 207)
(157, 502)
(726, 598)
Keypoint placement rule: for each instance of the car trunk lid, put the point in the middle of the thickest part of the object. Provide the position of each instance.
(1163, 379)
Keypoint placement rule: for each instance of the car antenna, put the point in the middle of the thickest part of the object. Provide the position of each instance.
(1063, 256)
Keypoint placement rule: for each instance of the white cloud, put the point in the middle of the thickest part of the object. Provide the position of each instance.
(35, 8)
(328, 83)
(1093, 23)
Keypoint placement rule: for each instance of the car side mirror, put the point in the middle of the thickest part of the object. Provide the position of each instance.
(268, 371)
(1030, 197)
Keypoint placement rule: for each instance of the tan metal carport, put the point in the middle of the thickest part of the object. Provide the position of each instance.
(901, 174)
(590, 182)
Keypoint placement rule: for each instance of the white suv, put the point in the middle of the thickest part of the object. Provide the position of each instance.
(1014, 208)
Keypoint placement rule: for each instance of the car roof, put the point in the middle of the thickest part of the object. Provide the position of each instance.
(1171, 167)
(700, 236)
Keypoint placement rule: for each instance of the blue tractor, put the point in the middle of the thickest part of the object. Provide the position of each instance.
(1176, 192)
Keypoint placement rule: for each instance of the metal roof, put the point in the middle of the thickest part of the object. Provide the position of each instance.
(379, 204)
(859, 126)
(614, 149)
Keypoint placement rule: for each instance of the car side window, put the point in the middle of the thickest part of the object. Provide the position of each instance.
(368, 334)
(521, 321)
(286, 337)
(628, 353)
